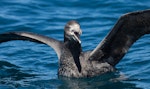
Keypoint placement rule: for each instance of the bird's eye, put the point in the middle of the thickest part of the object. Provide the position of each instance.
(72, 30)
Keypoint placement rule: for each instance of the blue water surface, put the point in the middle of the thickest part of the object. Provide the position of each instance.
(28, 65)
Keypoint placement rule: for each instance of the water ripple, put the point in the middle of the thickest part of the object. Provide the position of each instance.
(27, 65)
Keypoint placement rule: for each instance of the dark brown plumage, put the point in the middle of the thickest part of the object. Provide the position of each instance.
(73, 62)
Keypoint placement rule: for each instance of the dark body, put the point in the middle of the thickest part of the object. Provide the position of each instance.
(73, 62)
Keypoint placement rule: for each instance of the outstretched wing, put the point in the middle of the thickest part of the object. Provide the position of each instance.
(129, 28)
(55, 44)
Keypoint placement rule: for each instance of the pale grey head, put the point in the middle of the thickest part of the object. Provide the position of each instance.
(72, 31)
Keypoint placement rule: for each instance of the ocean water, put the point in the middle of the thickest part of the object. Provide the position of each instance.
(28, 65)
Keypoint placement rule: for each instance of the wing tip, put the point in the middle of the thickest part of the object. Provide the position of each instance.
(136, 12)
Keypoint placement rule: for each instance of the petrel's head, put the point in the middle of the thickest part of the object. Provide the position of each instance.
(73, 31)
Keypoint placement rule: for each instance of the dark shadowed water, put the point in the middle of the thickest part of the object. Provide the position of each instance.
(27, 65)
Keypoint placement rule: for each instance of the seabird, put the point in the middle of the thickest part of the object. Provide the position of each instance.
(73, 62)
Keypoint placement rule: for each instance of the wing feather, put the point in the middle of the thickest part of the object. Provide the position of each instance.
(55, 44)
(129, 28)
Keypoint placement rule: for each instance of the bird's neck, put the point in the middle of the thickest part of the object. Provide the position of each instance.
(72, 45)
(75, 49)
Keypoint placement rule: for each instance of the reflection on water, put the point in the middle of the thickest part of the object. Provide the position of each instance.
(106, 81)
(12, 76)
